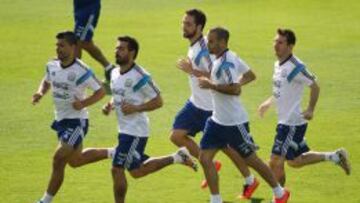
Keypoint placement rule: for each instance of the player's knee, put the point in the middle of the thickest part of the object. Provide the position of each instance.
(86, 44)
(176, 138)
(136, 174)
(74, 163)
(276, 163)
(296, 163)
(205, 161)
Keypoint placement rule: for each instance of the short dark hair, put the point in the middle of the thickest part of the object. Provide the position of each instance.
(199, 16)
(133, 45)
(221, 33)
(69, 37)
(288, 34)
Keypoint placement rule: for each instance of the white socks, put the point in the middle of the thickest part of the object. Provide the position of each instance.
(332, 156)
(110, 153)
(177, 158)
(47, 198)
(250, 179)
(215, 199)
(278, 191)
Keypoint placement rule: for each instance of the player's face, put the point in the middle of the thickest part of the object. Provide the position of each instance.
(122, 53)
(213, 43)
(64, 50)
(281, 47)
(189, 27)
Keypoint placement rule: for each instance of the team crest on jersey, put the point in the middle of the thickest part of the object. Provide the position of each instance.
(284, 73)
(71, 76)
(128, 82)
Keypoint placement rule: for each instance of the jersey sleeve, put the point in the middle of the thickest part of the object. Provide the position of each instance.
(242, 66)
(305, 77)
(147, 87)
(89, 80)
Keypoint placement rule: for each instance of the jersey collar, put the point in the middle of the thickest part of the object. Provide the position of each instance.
(198, 39)
(284, 61)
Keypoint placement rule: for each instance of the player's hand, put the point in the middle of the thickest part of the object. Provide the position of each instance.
(77, 104)
(263, 108)
(127, 108)
(185, 65)
(106, 109)
(205, 83)
(308, 114)
(36, 98)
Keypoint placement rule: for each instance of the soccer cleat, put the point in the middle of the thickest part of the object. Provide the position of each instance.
(249, 190)
(217, 167)
(284, 198)
(344, 162)
(186, 159)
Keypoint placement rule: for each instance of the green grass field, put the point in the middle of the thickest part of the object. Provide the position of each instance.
(328, 41)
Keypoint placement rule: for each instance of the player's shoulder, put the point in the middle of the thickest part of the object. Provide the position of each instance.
(295, 61)
(140, 71)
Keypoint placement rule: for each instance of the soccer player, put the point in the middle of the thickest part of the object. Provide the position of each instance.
(134, 93)
(289, 78)
(229, 124)
(69, 77)
(86, 16)
(191, 119)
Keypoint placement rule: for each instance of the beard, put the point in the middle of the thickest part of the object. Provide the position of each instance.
(121, 61)
(189, 35)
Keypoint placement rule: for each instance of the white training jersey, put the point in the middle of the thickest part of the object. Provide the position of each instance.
(289, 79)
(200, 59)
(228, 109)
(68, 83)
(134, 87)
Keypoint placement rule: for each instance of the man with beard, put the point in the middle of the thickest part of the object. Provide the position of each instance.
(191, 119)
(69, 78)
(229, 123)
(134, 93)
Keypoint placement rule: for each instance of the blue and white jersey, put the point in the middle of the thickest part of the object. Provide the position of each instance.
(228, 109)
(200, 59)
(135, 87)
(80, 4)
(68, 83)
(289, 78)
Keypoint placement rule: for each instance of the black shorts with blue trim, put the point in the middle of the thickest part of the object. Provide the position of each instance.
(71, 131)
(218, 136)
(290, 141)
(86, 20)
(191, 119)
(129, 153)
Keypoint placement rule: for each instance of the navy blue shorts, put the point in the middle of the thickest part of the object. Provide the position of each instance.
(191, 119)
(71, 131)
(289, 141)
(86, 20)
(238, 137)
(129, 153)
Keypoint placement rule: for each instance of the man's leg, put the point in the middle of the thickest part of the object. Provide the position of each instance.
(94, 52)
(90, 155)
(276, 164)
(60, 158)
(181, 139)
(206, 160)
(338, 157)
(256, 163)
(120, 184)
(152, 165)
